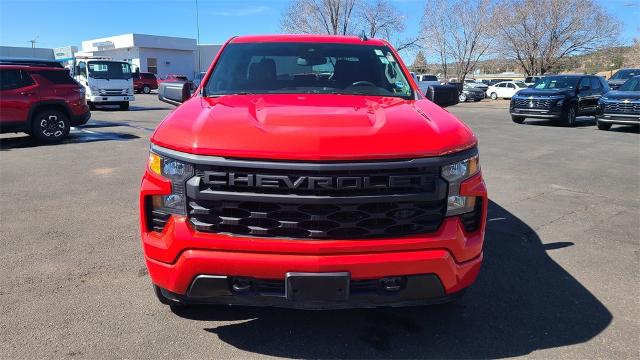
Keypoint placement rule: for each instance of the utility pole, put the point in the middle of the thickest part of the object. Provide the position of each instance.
(198, 35)
(33, 42)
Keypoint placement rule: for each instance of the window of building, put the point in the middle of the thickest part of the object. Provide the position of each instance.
(152, 65)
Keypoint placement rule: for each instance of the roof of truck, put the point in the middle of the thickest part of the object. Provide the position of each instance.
(335, 39)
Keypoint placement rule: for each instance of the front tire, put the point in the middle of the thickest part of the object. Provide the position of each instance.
(146, 89)
(462, 98)
(517, 119)
(570, 116)
(50, 126)
(124, 106)
(92, 106)
(494, 96)
(603, 125)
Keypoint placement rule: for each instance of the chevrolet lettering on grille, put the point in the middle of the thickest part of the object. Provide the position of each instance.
(216, 178)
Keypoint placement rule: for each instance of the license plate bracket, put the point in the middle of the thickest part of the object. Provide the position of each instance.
(317, 286)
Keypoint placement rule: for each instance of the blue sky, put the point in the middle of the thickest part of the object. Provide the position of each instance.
(67, 22)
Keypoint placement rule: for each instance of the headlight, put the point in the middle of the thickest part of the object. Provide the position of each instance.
(461, 169)
(178, 173)
(94, 89)
(455, 174)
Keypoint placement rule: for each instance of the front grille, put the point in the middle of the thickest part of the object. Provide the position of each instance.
(622, 107)
(535, 103)
(306, 201)
(316, 221)
(112, 92)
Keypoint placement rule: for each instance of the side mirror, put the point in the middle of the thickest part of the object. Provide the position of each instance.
(442, 95)
(174, 93)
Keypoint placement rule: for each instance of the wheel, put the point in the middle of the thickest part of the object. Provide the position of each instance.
(517, 119)
(146, 89)
(603, 125)
(164, 300)
(462, 98)
(570, 116)
(494, 96)
(50, 126)
(124, 105)
(92, 106)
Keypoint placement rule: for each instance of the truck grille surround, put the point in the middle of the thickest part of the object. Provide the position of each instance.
(312, 200)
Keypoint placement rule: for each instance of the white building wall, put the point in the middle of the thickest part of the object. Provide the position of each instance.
(178, 62)
(206, 53)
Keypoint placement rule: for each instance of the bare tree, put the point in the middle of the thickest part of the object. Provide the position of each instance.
(380, 19)
(458, 32)
(334, 17)
(377, 18)
(538, 42)
(433, 32)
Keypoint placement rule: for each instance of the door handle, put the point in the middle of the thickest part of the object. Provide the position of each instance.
(26, 93)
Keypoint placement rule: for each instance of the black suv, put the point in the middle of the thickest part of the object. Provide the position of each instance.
(620, 106)
(559, 97)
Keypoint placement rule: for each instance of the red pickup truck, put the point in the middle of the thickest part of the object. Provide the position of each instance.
(309, 171)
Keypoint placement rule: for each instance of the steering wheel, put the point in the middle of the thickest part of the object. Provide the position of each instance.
(363, 83)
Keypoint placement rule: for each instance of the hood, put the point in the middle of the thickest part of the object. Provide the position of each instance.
(312, 127)
(621, 95)
(549, 92)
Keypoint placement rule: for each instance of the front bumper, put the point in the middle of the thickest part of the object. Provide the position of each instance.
(81, 118)
(537, 113)
(620, 119)
(179, 255)
(110, 99)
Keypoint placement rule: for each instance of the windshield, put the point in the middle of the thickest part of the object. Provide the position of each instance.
(109, 70)
(429, 78)
(625, 74)
(307, 68)
(631, 85)
(557, 82)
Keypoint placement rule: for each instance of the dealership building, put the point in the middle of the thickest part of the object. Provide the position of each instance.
(161, 55)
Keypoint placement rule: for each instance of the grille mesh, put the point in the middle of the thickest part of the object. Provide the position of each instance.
(622, 107)
(535, 103)
(316, 221)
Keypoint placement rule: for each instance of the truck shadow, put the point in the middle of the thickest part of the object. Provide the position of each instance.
(76, 136)
(523, 301)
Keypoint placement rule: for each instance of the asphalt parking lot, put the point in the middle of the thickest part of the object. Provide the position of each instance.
(560, 278)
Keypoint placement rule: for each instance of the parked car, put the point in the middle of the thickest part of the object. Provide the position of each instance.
(470, 93)
(144, 82)
(559, 97)
(531, 80)
(620, 106)
(278, 188)
(425, 77)
(41, 101)
(621, 76)
(495, 81)
(475, 84)
(505, 89)
(172, 78)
